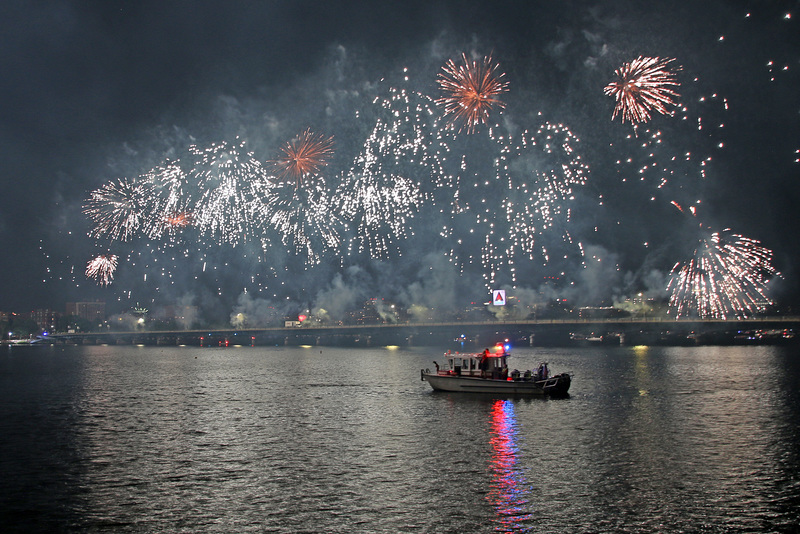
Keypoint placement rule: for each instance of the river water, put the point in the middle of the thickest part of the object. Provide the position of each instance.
(292, 439)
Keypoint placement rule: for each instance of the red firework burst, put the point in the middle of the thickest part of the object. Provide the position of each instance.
(179, 220)
(304, 155)
(471, 91)
(645, 84)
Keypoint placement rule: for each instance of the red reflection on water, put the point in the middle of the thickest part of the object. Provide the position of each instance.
(508, 489)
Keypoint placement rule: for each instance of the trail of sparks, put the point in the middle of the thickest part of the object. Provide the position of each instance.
(227, 205)
(305, 222)
(517, 204)
(398, 167)
(170, 210)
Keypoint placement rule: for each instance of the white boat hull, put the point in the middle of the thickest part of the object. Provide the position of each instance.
(557, 385)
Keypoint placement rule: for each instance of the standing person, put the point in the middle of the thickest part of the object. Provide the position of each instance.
(484, 365)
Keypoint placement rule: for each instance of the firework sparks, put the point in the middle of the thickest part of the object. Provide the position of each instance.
(304, 155)
(399, 164)
(645, 84)
(119, 209)
(493, 209)
(228, 204)
(666, 165)
(727, 276)
(179, 220)
(305, 221)
(102, 268)
(170, 209)
(471, 91)
(516, 205)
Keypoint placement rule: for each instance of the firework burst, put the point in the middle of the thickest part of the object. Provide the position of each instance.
(645, 84)
(471, 90)
(171, 211)
(492, 201)
(178, 220)
(119, 210)
(102, 268)
(511, 211)
(304, 155)
(399, 167)
(228, 206)
(304, 220)
(726, 277)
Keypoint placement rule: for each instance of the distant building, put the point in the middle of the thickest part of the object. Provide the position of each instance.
(95, 312)
(45, 319)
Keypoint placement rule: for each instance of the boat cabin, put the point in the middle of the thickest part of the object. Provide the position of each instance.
(491, 363)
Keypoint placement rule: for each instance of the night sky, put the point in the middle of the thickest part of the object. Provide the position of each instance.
(96, 91)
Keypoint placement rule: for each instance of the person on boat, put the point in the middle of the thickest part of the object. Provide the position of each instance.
(484, 363)
(541, 373)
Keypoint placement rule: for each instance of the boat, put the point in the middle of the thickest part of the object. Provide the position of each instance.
(487, 372)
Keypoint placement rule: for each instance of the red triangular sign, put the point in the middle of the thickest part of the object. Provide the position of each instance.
(499, 297)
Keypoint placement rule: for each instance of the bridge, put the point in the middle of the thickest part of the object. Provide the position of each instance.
(541, 332)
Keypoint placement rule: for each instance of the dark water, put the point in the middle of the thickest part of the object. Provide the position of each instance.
(154, 439)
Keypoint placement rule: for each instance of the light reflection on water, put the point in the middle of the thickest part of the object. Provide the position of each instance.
(281, 439)
(508, 490)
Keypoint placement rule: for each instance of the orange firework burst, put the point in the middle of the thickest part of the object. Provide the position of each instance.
(304, 155)
(471, 90)
(645, 84)
(179, 220)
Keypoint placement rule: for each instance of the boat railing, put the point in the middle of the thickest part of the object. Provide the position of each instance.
(553, 381)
